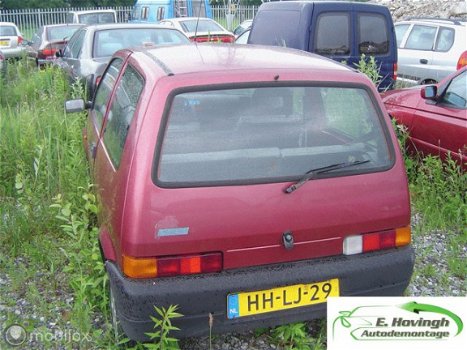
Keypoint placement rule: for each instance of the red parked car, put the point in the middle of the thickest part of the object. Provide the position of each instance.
(435, 116)
(243, 187)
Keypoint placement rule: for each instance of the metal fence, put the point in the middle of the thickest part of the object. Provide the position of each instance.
(28, 20)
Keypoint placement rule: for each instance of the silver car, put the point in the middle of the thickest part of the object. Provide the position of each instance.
(429, 49)
(10, 40)
(90, 48)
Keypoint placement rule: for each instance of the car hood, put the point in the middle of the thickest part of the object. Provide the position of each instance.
(409, 97)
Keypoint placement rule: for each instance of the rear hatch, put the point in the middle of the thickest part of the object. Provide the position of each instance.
(237, 170)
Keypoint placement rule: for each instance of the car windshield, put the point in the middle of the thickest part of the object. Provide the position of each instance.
(269, 134)
(189, 26)
(7, 31)
(61, 33)
(96, 18)
(106, 42)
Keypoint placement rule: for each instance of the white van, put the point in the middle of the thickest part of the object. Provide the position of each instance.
(92, 17)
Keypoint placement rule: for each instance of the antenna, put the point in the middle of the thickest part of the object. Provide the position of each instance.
(197, 20)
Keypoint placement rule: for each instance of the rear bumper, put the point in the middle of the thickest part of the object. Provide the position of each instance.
(12, 52)
(385, 273)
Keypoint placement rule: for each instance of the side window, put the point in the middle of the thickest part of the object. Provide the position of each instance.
(75, 48)
(445, 39)
(421, 38)
(144, 13)
(456, 93)
(104, 90)
(401, 29)
(160, 13)
(332, 34)
(121, 113)
(372, 34)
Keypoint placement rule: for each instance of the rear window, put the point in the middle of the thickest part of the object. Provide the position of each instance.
(106, 42)
(61, 33)
(281, 33)
(7, 30)
(373, 35)
(333, 34)
(200, 26)
(268, 134)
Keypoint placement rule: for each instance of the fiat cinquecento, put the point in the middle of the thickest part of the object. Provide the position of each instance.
(245, 184)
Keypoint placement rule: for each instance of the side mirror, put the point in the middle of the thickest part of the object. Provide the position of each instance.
(429, 92)
(74, 106)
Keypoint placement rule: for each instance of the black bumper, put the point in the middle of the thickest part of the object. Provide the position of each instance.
(385, 273)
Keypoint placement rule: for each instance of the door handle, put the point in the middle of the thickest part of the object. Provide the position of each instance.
(93, 149)
(423, 61)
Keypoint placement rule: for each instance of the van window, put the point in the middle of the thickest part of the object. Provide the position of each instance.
(144, 13)
(373, 36)
(122, 110)
(268, 134)
(160, 13)
(332, 35)
(421, 38)
(281, 33)
(105, 89)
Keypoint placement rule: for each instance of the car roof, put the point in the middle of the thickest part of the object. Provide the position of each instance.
(64, 25)
(92, 11)
(434, 20)
(181, 19)
(229, 57)
(7, 24)
(126, 25)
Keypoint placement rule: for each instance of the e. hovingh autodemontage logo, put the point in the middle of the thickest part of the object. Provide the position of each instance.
(402, 323)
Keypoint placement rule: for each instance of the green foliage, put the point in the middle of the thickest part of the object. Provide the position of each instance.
(295, 336)
(369, 67)
(163, 326)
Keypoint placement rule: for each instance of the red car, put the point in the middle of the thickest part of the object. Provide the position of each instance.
(435, 116)
(243, 187)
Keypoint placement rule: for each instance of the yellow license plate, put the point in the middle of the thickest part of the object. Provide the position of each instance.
(4, 42)
(282, 298)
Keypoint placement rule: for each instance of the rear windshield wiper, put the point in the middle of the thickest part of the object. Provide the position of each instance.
(310, 174)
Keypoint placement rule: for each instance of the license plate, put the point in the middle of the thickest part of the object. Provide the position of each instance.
(4, 42)
(282, 298)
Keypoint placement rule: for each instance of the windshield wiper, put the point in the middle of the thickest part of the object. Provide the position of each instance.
(310, 174)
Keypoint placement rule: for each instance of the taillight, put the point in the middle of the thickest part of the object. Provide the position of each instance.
(462, 60)
(214, 38)
(20, 39)
(47, 52)
(172, 265)
(394, 76)
(98, 79)
(377, 241)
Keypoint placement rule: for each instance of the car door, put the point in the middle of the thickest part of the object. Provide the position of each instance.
(441, 127)
(416, 53)
(70, 58)
(99, 109)
(115, 149)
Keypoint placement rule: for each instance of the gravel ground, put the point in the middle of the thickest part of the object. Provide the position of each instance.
(431, 251)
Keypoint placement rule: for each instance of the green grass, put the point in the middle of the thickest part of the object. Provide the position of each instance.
(48, 235)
